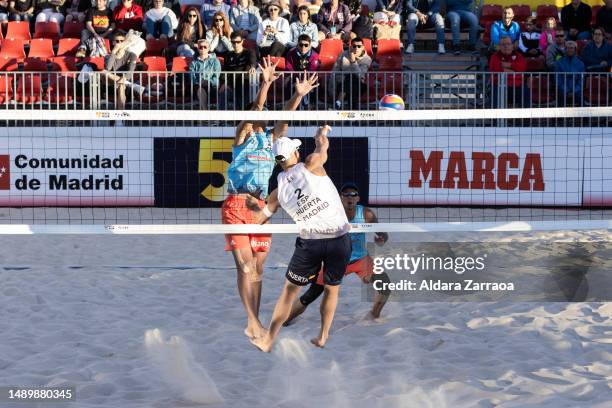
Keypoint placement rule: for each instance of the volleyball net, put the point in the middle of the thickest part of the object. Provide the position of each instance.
(166, 171)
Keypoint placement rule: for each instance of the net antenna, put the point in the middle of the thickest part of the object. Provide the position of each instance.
(164, 172)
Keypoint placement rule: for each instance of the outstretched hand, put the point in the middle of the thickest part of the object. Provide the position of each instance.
(306, 84)
(268, 70)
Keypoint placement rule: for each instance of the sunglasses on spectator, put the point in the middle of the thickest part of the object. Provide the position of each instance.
(236, 41)
(356, 45)
(350, 194)
(193, 15)
(304, 45)
(118, 41)
(203, 47)
(560, 35)
(273, 9)
(218, 19)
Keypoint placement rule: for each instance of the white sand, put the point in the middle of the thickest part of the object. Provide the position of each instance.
(75, 310)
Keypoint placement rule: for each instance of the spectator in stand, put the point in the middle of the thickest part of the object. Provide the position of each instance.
(427, 14)
(597, 54)
(556, 50)
(160, 21)
(210, 8)
(351, 69)
(547, 37)
(218, 35)
(334, 21)
(4, 11)
(303, 26)
(529, 41)
(76, 10)
(362, 25)
(569, 85)
(303, 57)
(508, 61)
(128, 16)
(242, 61)
(462, 11)
(174, 5)
(118, 67)
(604, 19)
(21, 10)
(245, 17)
(50, 10)
(576, 20)
(99, 25)
(190, 31)
(264, 4)
(273, 33)
(205, 70)
(392, 8)
(506, 27)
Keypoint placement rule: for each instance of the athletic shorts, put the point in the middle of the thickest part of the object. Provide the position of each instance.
(235, 211)
(363, 267)
(309, 254)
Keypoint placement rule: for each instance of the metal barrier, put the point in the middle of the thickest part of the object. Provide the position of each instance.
(420, 90)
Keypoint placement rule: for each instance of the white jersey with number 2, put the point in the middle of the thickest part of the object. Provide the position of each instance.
(313, 203)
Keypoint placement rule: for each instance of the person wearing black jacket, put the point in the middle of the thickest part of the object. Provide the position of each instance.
(77, 10)
(604, 18)
(576, 20)
(239, 61)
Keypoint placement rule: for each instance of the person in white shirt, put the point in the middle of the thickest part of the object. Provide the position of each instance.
(308, 195)
(273, 33)
(160, 21)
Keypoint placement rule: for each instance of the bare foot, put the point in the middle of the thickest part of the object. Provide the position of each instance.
(262, 343)
(255, 331)
(319, 341)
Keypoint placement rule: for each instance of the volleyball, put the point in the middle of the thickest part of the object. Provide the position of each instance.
(391, 102)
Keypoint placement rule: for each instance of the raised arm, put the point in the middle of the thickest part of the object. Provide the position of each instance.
(302, 88)
(269, 75)
(316, 160)
(380, 237)
(263, 215)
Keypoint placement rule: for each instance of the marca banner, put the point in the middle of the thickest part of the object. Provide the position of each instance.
(192, 172)
(477, 166)
(76, 170)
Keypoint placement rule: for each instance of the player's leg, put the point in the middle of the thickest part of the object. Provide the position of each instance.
(246, 267)
(279, 316)
(299, 306)
(260, 259)
(381, 296)
(328, 310)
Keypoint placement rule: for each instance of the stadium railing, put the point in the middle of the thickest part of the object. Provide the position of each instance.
(419, 89)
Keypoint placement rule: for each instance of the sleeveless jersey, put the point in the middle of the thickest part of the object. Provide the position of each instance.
(313, 203)
(252, 165)
(358, 240)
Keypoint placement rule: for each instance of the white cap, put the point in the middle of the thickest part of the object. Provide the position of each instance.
(285, 147)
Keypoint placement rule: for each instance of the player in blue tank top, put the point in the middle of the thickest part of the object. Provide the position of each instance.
(361, 263)
(248, 175)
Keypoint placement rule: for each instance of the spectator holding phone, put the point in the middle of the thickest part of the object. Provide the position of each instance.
(273, 34)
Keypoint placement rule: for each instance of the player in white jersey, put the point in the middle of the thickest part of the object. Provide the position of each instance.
(309, 196)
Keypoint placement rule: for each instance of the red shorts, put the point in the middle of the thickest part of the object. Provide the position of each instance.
(235, 211)
(363, 267)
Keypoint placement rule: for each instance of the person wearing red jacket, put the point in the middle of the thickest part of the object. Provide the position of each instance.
(508, 61)
(128, 15)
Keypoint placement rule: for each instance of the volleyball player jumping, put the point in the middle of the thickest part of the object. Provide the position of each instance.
(360, 263)
(248, 176)
(308, 195)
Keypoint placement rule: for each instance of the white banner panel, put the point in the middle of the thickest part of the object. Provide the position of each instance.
(75, 167)
(598, 168)
(477, 166)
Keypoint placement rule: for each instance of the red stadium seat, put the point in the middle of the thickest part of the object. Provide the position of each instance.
(156, 70)
(535, 64)
(9, 64)
(180, 64)
(35, 64)
(490, 13)
(12, 48)
(521, 12)
(6, 88)
(97, 61)
(29, 89)
(19, 30)
(542, 93)
(389, 55)
(597, 91)
(581, 44)
(61, 89)
(281, 63)
(250, 44)
(63, 64)
(156, 47)
(180, 92)
(330, 51)
(73, 29)
(594, 11)
(41, 48)
(68, 46)
(544, 11)
(47, 29)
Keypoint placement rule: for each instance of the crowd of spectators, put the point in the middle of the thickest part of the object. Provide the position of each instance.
(232, 35)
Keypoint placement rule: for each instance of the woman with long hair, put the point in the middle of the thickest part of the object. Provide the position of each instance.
(190, 30)
(218, 35)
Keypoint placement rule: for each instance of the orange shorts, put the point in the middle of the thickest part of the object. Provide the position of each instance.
(363, 267)
(235, 211)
